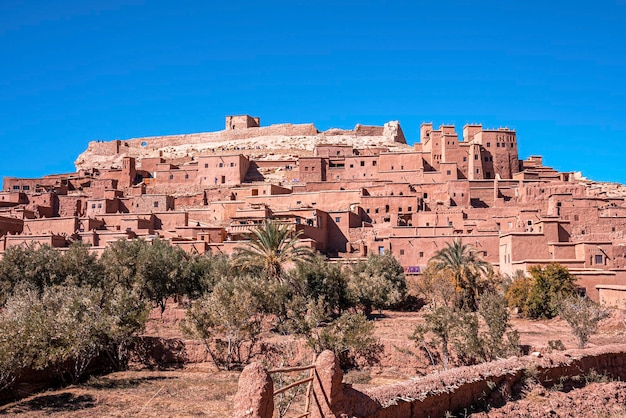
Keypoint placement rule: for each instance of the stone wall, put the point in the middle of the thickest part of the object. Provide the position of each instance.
(434, 395)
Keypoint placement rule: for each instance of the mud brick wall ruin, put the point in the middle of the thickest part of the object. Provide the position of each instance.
(429, 396)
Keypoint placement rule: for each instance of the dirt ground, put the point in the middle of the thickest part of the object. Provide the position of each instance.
(198, 389)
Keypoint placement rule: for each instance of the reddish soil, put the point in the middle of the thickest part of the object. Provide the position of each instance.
(198, 389)
(606, 400)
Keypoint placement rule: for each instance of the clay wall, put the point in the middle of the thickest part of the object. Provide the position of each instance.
(224, 169)
(170, 220)
(364, 130)
(385, 209)
(242, 122)
(10, 226)
(339, 224)
(312, 169)
(12, 198)
(457, 389)
(193, 200)
(411, 161)
(328, 200)
(148, 203)
(56, 226)
(612, 295)
(360, 167)
(328, 150)
(55, 241)
(98, 207)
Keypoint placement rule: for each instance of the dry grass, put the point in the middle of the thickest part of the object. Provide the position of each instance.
(197, 390)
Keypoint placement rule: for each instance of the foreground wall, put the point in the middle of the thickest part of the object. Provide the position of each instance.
(433, 395)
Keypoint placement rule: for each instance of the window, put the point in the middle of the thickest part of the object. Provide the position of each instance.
(484, 253)
(351, 165)
(410, 209)
(16, 187)
(475, 156)
(399, 209)
(232, 164)
(306, 168)
(498, 145)
(374, 163)
(477, 170)
(337, 219)
(386, 208)
(486, 159)
(155, 204)
(425, 195)
(464, 159)
(381, 250)
(376, 210)
(530, 222)
(421, 254)
(186, 176)
(93, 206)
(206, 166)
(171, 176)
(99, 205)
(367, 210)
(575, 217)
(599, 259)
(488, 144)
(220, 165)
(25, 187)
(362, 163)
(223, 179)
(401, 252)
(448, 172)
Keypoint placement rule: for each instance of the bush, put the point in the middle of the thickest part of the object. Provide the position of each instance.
(377, 283)
(540, 295)
(582, 315)
(227, 321)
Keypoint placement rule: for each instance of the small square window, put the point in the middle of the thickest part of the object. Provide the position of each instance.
(171, 176)
(498, 144)
(464, 158)
(93, 206)
(99, 205)
(351, 165)
(206, 166)
(475, 156)
(599, 259)
(337, 219)
(16, 187)
(488, 144)
(220, 165)
(401, 252)
(232, 164)
(399, 209)
(421, 254)
(374, 163)
(409, 209)
(448, 172)
(186, 176)
(362, 163)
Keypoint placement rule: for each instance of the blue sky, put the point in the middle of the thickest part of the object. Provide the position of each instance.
(75, 71)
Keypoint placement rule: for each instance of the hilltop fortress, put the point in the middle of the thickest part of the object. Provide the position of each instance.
(350, 192)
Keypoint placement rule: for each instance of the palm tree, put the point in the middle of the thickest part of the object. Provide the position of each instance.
(465, 266)
(272, 246)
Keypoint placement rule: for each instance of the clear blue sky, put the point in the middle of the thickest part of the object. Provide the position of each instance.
(75, 71)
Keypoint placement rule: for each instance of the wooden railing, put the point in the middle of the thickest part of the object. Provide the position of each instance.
(308, 381)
